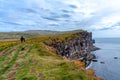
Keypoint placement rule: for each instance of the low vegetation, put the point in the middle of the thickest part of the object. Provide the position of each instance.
(33, 60)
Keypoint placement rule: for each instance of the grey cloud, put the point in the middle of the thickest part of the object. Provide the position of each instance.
(73, 6)
(52, 13)
(50, 18)
(53, 25)
(55, 16)
(28, 10)
(65, 15)
(12, 23)
(67, 20)
(17, 24)
(66, 11)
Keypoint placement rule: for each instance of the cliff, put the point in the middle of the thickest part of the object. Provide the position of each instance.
(76, 46)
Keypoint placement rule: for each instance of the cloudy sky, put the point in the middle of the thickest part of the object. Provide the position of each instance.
(102, 17)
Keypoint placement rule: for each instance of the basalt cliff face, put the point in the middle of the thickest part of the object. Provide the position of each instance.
(76, 46)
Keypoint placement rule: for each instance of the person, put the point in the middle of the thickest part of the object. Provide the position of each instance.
(22, 39)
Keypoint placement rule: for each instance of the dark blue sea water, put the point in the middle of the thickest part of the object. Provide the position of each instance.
(110, 48)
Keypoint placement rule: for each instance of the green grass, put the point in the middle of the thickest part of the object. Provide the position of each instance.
(35, 62)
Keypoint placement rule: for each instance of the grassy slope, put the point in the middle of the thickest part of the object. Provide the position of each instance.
(35, 61)
(7, 36)
(27, 34)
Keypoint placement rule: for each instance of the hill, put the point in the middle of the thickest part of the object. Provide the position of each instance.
(8, 36)
(27, 34)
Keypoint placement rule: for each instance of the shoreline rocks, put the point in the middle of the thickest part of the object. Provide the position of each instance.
(95, 48)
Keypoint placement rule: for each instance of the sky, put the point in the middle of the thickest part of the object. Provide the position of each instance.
(102, 17)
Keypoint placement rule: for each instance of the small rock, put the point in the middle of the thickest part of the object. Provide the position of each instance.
(94, 60)
(102, 62)
(115, 57)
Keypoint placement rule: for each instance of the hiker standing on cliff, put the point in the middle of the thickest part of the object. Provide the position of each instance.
(22, 39)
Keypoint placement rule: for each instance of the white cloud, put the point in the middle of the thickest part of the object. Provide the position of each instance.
(98, 15)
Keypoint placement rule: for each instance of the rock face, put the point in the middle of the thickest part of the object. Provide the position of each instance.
(77, 46)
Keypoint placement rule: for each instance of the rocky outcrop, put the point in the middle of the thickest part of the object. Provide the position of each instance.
(77, 46)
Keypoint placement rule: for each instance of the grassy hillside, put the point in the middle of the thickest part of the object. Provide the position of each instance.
(10, 36)
(33, 60)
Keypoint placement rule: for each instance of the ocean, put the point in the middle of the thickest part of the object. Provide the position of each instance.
(108, 65)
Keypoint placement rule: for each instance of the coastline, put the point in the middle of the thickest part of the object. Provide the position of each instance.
(78, 47)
